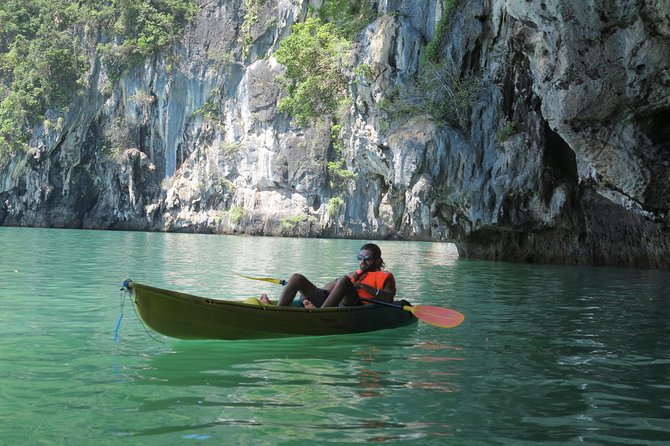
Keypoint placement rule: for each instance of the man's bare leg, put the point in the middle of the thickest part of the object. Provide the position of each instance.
(296, 283)
(343, 291)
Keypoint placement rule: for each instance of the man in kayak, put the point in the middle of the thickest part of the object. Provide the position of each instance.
(371, 281)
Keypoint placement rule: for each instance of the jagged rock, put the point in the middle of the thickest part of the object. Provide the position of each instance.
(563, 157)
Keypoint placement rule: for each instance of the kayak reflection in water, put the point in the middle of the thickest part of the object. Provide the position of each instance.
(371, 281)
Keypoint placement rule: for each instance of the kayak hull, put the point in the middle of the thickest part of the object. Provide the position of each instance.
(186, 316)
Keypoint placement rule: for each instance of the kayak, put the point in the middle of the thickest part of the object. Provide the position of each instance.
(186, 316)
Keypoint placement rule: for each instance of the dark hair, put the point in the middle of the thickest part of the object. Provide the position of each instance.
(376, 251)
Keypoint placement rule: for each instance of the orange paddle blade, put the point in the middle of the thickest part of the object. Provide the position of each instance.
(438, 316)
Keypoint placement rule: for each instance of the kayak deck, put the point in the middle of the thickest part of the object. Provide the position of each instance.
(186, 316)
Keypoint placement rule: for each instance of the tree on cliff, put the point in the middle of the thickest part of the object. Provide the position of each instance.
(314, 56)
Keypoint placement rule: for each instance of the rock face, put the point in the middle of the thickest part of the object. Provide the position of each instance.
(563, 157)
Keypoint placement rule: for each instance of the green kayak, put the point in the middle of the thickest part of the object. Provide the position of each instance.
(186, 316)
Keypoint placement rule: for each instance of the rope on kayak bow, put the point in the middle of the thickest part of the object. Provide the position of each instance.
(125, 292)
(123, 302)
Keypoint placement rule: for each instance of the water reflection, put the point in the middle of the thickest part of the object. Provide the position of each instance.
(312, 384)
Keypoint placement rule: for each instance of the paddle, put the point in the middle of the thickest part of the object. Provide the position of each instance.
(437, 316)
(265, 279)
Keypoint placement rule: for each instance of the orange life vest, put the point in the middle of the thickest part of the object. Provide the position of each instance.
(376, 279)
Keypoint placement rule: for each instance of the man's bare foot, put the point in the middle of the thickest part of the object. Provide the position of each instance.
(308, 304)
(264, 299)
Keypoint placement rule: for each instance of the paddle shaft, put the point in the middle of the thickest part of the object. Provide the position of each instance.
(382, 302)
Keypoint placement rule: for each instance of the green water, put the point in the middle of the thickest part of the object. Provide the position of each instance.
(547, 355)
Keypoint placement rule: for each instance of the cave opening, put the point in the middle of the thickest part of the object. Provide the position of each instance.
(559, 156)
(657, 128)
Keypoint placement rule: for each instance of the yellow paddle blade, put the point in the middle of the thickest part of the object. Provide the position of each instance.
(437, 316)
(264, 279)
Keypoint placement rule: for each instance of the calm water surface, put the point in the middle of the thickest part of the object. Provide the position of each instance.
(547, 355)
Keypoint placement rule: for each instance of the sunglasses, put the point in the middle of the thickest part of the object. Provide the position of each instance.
(364, 257)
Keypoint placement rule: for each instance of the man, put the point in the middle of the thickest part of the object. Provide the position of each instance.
(371, 281)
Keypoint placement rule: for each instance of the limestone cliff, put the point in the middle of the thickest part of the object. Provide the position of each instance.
(562, 157)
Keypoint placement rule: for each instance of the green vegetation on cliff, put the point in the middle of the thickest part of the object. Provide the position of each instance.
(348, 16)
(317, 58)
(43, 51)
(431, 54)
(314, 55)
